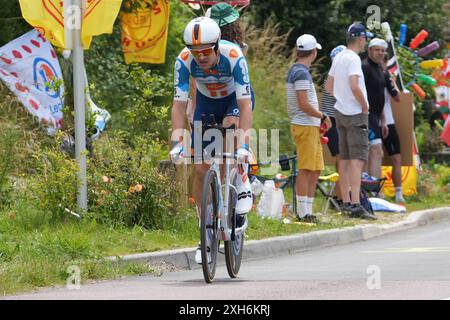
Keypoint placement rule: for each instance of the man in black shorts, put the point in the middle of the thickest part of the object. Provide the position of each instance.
(376, 84)
(391, 142)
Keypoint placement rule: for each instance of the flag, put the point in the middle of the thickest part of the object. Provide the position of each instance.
(392, 64)
(47, 16)
(99, 17)
(29, 68)
(144, 33)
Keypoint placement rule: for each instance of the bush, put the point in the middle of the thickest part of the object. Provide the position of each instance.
(53, 188)
(126, 186)
(428, 140)
(8, 140)
(146, 109)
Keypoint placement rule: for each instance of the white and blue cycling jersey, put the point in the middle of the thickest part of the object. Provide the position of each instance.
(230, 75)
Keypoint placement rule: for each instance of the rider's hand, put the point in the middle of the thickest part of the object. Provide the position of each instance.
(177, 153)
(243, 155)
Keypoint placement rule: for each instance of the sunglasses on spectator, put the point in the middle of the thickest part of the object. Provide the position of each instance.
(206, 52)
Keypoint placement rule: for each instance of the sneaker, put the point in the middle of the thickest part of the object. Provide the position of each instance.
(359, 211)
(346, 208)
(309, 218)
(400, 200)
(244, 195)
(198, 255)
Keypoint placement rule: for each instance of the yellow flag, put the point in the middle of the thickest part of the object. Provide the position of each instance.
(99, 17)
(47, 16)
(409, 181)
(144, 33)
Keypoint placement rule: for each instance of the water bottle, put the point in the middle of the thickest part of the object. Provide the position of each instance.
(418, 90)
(431, 64)
(418, 39)
(427, 79)
(428, 49)
(403, 29)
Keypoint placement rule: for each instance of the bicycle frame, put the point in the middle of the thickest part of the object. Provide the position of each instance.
(226, 231)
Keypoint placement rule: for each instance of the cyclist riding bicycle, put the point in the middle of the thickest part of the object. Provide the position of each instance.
(223, 89)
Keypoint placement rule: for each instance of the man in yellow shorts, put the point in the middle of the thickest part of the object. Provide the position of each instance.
(303, 111)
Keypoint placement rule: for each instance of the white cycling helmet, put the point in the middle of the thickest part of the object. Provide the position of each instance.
(201, 30)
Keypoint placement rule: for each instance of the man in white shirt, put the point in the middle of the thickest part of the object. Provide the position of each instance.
(346, 83)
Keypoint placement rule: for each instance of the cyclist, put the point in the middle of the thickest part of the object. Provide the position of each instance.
(223, 89)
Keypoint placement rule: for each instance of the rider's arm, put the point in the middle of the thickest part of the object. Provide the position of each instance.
(243, 96)
(245, 119)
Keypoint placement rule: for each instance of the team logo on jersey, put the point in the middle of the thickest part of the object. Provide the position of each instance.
(234, 53)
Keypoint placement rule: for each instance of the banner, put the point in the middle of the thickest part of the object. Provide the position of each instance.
(47, 16)
(144, 33)
(29, 68)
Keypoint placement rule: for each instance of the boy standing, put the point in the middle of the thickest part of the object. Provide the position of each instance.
(303, 111)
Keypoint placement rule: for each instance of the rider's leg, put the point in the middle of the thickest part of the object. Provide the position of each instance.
(197, 184)
(245, 198)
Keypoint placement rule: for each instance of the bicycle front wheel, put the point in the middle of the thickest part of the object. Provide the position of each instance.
(233, 248)
(209, 238)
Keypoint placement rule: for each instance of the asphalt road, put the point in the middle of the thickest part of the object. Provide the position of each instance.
(413, 264)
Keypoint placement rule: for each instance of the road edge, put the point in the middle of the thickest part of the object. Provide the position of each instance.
(286, 245)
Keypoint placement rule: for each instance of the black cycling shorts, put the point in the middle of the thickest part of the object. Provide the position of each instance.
(392, 141)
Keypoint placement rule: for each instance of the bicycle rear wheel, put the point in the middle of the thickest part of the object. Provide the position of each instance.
(233, 248)
(209, 240)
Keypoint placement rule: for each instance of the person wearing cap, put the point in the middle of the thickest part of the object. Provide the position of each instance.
(327, 107)
(305, 117)
(376, 83)
(223, 96)
(227, 17)
(346, 83)
(391, 142)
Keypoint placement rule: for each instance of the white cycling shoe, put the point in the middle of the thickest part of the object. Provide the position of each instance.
(198, 255)
(244, 195)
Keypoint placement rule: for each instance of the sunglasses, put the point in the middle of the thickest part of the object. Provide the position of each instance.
(206, 52)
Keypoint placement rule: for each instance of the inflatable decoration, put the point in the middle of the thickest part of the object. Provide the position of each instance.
(418, 55)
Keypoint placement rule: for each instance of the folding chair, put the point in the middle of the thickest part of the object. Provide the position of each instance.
(326, 186)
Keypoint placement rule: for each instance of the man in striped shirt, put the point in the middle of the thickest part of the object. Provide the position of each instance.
(303, 111)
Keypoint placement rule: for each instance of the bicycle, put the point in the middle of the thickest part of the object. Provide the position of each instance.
(218, 216)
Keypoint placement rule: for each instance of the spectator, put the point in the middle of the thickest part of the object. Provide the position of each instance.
(391, 141)
(346, 83)
(376, 84)
(303, 111)
(327, 107)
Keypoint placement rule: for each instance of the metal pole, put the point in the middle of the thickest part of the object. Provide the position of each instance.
(80, 107)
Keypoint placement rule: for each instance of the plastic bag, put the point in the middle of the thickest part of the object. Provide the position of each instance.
(271, 202)
(257, 187)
